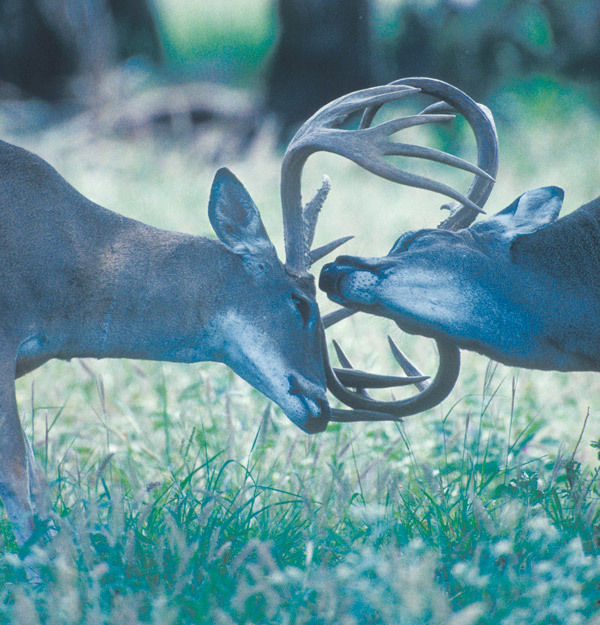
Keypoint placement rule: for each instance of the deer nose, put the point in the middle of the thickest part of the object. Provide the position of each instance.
(317, 407)
(331, 276)
(318, 423)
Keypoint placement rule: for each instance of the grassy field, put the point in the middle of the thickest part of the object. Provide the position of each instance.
(181, 495)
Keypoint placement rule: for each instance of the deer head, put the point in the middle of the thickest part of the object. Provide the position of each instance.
(519, 287)
(269, 329)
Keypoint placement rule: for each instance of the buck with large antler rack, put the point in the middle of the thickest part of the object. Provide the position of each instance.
(369, 146)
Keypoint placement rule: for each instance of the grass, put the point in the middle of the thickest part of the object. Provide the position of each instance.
(181, 495)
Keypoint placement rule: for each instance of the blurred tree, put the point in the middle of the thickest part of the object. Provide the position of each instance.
(576, 30)
(322, 52)
(43, 43)
(478, 44)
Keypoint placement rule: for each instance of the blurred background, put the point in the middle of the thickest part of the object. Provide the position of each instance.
(187, 64)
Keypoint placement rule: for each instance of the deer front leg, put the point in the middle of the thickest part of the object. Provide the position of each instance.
(17, 466)
(38, 487)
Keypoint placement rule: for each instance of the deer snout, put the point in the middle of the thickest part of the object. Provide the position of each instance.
(318, 423)
(351, 280)
(317, 408)
(333, 273)
(331, 277)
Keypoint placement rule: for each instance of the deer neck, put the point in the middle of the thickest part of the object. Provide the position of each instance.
(560, 288)
(165, 300)
(146, 294)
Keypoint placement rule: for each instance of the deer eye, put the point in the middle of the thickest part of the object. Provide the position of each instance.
(404, 242)
(303, 308)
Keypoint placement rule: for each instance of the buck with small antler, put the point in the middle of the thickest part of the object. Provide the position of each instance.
(77, 280)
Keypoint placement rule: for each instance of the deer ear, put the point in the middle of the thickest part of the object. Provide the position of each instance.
(528, 213)
(235, 218)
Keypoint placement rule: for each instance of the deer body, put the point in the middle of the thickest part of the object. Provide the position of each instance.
(519, 287)
(77, 280)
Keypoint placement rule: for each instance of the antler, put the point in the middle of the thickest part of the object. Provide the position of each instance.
(367, 146)
(432, 392)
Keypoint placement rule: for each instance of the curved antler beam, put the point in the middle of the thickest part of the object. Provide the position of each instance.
(369, 409)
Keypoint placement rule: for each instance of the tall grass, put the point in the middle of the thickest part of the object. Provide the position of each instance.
(181, 495)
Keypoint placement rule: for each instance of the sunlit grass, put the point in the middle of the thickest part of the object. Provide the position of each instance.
(181, 495)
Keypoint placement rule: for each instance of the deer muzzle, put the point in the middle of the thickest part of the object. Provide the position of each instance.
(351, 280)
(317, 408)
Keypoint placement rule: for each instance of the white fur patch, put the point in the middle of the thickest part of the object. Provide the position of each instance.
(253, 355)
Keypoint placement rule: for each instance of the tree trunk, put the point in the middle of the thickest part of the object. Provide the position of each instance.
(323, 52)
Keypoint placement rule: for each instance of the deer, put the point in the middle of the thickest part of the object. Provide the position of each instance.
(520, 287)
(80, 281)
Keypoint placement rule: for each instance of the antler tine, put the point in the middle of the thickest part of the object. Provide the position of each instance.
(418, 151)
(481, 121)
(323, 250)
(435, 108)
(355, 378)
(360, 380)
(407, 366)
(312, 210)
(313, 136)
(336, 316)
(438, 107)
(345, 362)
(337, 111)
(390, 172)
